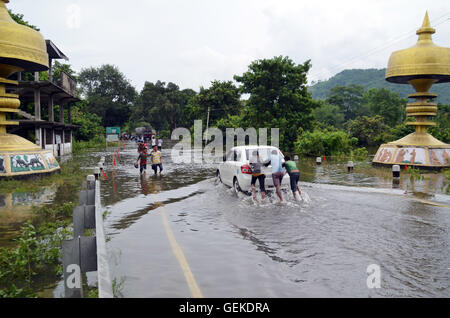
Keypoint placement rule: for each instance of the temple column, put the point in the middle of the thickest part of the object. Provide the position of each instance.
(61, 113)
(69, 113)
(51, 111)
(37, 115)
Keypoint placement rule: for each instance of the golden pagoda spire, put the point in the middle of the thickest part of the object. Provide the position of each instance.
(421, 65)
(425, 31)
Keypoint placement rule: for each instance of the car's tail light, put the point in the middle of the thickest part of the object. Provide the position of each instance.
(246, 169)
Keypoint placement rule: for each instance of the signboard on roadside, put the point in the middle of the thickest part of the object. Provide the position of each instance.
(113, 130)
(111, 138)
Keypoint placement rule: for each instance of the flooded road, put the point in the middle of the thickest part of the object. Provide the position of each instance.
(182, 233)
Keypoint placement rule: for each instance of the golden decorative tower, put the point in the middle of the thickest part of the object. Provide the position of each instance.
(421, 66)
(21, 49)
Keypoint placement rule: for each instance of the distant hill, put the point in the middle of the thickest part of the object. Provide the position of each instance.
(374, 78)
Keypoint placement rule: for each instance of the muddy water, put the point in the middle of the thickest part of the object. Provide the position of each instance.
(235, 247)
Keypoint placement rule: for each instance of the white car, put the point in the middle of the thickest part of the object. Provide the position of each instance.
(235, 170)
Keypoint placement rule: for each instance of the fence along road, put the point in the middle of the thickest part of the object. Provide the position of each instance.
(87, 253)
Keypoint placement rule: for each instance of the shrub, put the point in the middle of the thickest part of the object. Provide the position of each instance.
(324, 142)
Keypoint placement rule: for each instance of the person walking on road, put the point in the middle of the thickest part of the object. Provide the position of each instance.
(155, 157)
(294, 175)
(160, 142)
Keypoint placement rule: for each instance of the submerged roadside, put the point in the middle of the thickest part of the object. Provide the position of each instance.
(35, 215)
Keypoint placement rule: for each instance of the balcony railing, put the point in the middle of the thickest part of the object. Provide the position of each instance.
(67, 83)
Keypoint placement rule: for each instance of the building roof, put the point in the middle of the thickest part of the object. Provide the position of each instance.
(53, 51)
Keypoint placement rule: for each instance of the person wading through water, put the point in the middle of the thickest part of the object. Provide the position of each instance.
(256, 166)
(294, 175)
(156, 159)
(143, 160)
(277, 171)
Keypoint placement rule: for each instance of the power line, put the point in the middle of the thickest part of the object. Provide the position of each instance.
(384, 46)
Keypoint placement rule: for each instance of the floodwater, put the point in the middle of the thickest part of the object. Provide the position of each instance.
(162, 228)
(234, 247)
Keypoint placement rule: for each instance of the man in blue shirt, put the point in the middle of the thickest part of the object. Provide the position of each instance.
(277, 171)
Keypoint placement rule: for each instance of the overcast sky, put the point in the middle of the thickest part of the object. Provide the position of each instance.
(192, 42)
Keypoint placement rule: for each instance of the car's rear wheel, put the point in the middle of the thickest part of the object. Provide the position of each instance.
(218, 178)
(236, 186)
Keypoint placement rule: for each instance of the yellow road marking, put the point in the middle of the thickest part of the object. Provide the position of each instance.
(433, 203)
(195, 290)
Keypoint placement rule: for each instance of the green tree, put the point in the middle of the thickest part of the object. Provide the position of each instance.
(59, 67)
(222, 99)
(324, 142)
(387, 104)
(19, 19)
(330, 115)
(348, 99)
(278, 97)
(163, 106)
(442, 129)
(108, 93)
(370, 131)
(90, 124)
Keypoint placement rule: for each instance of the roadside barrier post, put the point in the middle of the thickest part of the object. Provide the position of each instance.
(350, 166)
(96, 172)
(395, 176)
(396, 171)
(319, 161)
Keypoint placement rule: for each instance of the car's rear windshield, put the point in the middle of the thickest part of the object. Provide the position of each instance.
(264, 153)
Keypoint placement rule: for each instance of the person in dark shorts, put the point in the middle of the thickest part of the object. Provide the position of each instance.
(160, 142)
(142, 160)
(256, 166)
(294, 175)
(277, 172)
(156, 159)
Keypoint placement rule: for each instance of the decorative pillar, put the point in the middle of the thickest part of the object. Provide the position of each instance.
(22, 49)
(50, 70)
(421, 66)
(37, 115)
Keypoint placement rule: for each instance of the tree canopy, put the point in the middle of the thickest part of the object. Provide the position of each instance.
(108, 92)
(19, 19)
(278, 97)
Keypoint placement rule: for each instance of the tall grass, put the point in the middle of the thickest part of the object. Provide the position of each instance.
(96, 142)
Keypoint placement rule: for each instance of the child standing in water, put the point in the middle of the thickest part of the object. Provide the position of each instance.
(143, 160)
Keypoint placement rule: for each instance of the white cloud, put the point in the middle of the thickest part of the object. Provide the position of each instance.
(193, 42)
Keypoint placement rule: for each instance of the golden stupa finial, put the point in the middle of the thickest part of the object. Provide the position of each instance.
(426, 30)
